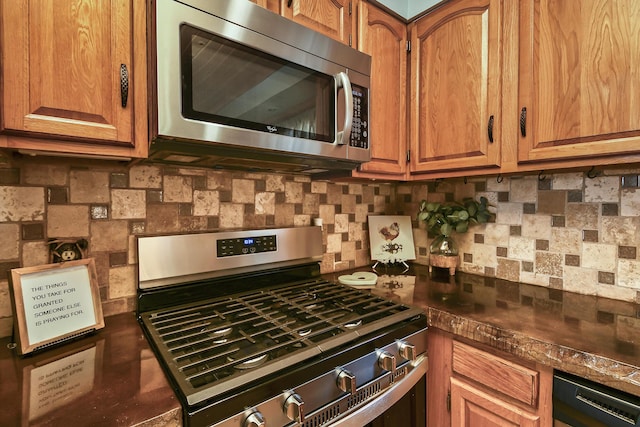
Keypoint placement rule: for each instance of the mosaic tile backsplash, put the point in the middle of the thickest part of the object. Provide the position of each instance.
(566, 231)
(109, 205)
(571, 231)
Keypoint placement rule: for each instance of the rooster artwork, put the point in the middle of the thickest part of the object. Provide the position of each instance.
(389, 234)
(391, 238)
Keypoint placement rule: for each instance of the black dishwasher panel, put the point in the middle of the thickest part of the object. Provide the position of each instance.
(579, 402)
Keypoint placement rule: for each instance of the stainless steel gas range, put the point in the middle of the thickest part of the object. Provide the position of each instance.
(250, 334)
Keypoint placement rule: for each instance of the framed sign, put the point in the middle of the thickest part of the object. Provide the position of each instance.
(391, 238)
(54, 303)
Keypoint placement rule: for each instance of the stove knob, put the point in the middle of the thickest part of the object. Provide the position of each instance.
(407, 351)
(255, 419)
(387, 361)
(346, 382)
(294, 407)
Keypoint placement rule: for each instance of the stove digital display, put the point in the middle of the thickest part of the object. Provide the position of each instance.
(246, 245)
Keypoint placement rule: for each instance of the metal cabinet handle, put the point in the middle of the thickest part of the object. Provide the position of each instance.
(523, 121)
(490, 128)
(124, 85)
(289, 3)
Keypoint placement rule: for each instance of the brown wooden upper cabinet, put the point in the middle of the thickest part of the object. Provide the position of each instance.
(332, 18)
(579, 87)
(385, 38)
(73, 80)
(455, 121)
(272, 5)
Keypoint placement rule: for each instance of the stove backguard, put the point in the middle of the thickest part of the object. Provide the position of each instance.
(175, 259)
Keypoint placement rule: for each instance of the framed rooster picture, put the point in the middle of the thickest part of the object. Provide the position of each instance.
(391, 238)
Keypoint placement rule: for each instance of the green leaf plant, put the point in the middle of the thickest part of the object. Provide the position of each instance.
(444, 218)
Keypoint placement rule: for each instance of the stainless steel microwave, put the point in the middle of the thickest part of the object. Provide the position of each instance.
(238, 86)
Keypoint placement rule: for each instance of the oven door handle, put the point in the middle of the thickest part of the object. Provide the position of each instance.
(343, 82)
(372, 410)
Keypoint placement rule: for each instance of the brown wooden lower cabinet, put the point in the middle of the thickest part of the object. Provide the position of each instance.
(474, 385)
(471, 406)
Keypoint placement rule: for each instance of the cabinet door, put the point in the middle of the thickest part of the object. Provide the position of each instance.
(578, 79)
(67, 69)
(272, 5)
(329, 17)
(385, 39)
(438, 378)
(455, 87)
(471, 407)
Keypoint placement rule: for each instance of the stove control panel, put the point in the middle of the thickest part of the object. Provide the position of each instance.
(294, 407)
(346, 382)
(254, 419)
(407, 351)
(387, 361)
(246, 245)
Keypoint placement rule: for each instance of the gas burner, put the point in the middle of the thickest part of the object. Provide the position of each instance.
(314, 306)
(304, 332)
(251, 354)
(224, 332)
(252, 363)
(220, 335)
(353, 324)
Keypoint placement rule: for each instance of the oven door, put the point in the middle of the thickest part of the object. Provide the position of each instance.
(223, 82)
(401, 405)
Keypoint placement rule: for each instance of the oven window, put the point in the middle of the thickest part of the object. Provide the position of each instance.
(228, 83)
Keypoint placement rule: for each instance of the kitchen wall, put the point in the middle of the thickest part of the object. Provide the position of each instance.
(563, 231)
(408, 9)
(566, 231)
(109, 204)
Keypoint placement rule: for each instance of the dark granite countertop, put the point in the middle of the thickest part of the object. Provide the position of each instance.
(593, 337)
(110, 378)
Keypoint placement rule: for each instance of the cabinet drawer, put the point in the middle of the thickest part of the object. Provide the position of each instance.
(498, 374)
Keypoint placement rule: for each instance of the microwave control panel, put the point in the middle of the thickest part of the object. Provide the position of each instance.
(360, 126)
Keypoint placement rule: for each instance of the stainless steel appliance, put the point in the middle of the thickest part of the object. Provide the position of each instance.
(250, 334)
(578, 402)
(240, 86)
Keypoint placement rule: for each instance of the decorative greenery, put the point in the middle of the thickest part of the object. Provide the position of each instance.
(445, 218)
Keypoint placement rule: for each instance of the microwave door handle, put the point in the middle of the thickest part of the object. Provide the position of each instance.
(342, 81)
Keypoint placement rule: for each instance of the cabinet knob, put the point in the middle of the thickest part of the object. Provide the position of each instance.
(387, 361)
(346, 382)
(255, 419)
(407, 351)
(294, 407)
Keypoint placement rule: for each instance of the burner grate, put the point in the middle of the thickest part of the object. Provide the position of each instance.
(218, 339)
